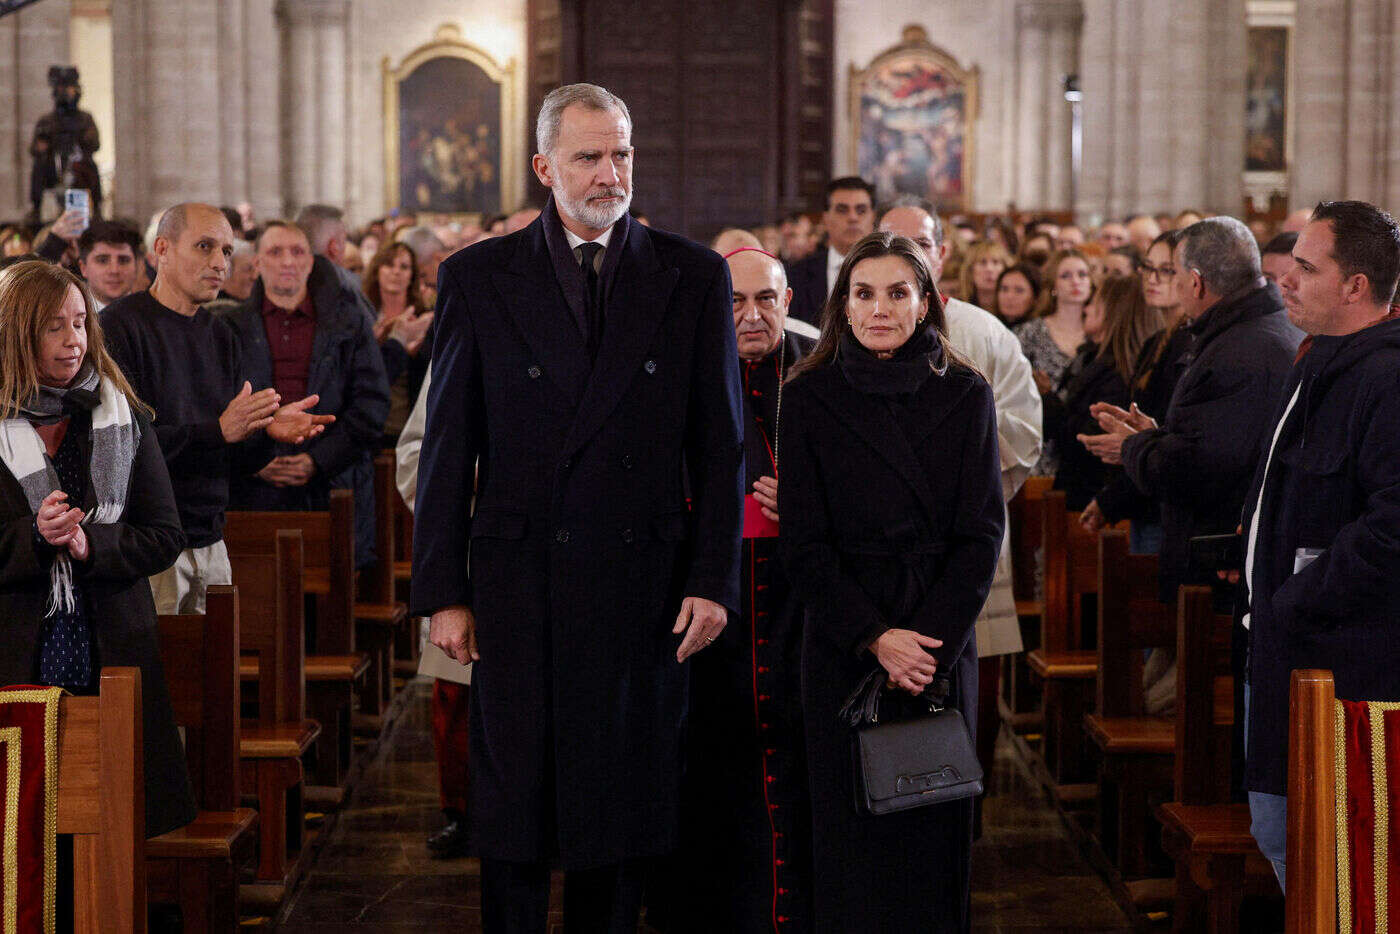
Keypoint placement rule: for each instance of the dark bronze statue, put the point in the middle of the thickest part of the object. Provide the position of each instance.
(64, 142)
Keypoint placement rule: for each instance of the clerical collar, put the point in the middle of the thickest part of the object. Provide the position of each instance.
(575, 241)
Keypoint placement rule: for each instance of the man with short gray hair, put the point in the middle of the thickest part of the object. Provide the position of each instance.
(1199, 460)
(587, 367)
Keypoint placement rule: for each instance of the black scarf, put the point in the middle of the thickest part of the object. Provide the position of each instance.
(902, 374)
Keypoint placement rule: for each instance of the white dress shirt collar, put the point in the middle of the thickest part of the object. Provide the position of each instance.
(833, 267)
(575, 241)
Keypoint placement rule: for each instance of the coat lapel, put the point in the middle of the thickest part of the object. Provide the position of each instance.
(538, 310)
(636, 306)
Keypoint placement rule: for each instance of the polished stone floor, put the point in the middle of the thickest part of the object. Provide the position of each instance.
(374, 875)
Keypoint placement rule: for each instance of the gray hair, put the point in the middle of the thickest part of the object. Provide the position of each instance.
(560, 99)
(423, 242)
(923, 204)
(320, 221)
(1224, 252)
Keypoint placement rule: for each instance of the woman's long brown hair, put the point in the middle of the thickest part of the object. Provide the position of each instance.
(31, 293)
(836, 325)
(1128, 321)
(382, 257)
(1045, 307)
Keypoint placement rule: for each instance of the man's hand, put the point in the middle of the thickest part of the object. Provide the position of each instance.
(1092, 517)
(705, 620)
(410, 330)
(1107, 448)
(903, 653)
(293, 424)
(765, 490)
(57, 522)
(248, 412)
(453, 629)
(289, 470)
(69, 226)
(1112, 418)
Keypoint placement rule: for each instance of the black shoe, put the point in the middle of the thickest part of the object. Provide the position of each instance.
(451, 841)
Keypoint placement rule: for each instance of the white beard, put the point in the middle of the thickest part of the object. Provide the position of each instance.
(596, 217)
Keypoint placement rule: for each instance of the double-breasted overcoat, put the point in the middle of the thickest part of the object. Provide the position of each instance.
(582, 545)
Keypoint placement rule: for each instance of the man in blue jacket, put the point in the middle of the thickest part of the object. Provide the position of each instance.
(1322, 521)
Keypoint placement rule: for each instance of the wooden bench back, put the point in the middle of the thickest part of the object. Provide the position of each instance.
(200, 656)
(1024, 515)
(271, 626)
(102, 803)
(377, 584)
(328, 540)
(1204, 699)
(1311, 904)
(1071, 573)
(1131, 619)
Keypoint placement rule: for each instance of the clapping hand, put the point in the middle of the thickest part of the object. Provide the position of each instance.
(1118, 425)
(293, 424)
(289, 470)
(1092, 518)
(410, 330)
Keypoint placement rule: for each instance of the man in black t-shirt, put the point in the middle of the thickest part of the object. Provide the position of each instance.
(184, 363)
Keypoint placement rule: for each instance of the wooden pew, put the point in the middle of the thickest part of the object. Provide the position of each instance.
(1311, 906)
(196, 866)
(1135, 769)
(1207, 836)
(335, 670)
(101, 803)
(1020, 700)
(380, 618)
(1065, 662)
(272, 746)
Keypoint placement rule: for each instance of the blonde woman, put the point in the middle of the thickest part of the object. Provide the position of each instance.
(977, 280)
(86, 515)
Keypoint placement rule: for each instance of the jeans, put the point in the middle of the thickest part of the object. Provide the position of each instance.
(1269, 816)
(1144, 538)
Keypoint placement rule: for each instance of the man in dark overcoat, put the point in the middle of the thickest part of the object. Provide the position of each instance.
(744, 864)
(586, 367)
(1322, 521)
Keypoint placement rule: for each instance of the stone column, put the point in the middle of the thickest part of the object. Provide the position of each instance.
(38, 36)
(1319, 113)
(264, 84)
(313, 94)
(1047, 46)
(234, 117)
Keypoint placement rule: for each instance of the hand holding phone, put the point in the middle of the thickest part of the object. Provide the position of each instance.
(78, 200)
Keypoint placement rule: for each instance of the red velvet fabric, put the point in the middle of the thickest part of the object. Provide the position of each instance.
(449, 715)
(1361, 816)
(27, 774)
(1392, 772)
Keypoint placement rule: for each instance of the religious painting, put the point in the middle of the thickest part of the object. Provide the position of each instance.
(913, 111)
(1266, 104)
(449, 128)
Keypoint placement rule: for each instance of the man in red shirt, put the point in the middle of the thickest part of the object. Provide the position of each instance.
(304, 327)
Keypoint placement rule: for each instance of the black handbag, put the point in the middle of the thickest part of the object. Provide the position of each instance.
(910, 763)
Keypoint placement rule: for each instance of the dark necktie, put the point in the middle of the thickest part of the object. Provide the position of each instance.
(593, 304)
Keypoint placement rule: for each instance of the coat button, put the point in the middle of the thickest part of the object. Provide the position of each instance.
(534, 372)
(628, 461)
(568, 462)
(627, 536)
(650, 366)
(561, 536)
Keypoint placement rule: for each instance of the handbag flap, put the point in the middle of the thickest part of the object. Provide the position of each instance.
(917, 756)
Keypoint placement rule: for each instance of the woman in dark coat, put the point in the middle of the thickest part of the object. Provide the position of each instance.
(1117, 321)
(86, 515)
(892, 522)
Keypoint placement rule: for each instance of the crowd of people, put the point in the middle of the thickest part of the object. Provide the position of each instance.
(629, 400)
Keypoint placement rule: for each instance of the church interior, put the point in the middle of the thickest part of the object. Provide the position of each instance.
(320, 732)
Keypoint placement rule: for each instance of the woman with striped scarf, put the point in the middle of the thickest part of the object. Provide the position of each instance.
(86, 515)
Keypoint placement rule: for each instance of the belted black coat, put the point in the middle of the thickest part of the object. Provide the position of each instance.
(581, 543)
(892, 517)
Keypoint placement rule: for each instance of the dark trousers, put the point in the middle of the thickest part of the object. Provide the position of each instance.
(515, 898)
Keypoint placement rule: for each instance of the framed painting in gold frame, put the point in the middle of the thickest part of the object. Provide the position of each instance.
(913, 112)
(451, 140)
